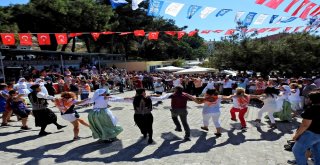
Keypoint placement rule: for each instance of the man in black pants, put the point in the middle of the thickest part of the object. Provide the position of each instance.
(179, 108)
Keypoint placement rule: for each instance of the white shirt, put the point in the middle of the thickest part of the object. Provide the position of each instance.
(227, 84)
(158, 87)
(176, 82)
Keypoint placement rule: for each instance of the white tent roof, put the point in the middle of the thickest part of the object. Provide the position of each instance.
(169, 69)
(196, 70)
(229, 72)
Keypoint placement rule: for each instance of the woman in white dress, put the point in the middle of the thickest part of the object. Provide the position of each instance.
(22, 87)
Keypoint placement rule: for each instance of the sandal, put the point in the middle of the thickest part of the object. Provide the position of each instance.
(205, 128)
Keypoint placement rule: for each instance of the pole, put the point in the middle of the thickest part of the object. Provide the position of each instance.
(62, 65)
(2, 67)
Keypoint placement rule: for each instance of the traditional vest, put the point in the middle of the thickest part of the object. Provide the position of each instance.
(37, 103)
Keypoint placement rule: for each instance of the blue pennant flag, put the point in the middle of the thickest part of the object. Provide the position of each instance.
(289, 20)
(222, 12)
(154, 7)
(273, 18)
(249, 18)
(117, 3)
(192, 10)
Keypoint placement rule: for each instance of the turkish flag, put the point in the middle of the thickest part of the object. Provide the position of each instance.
(170, 33)
(288, 29)
(297, 28)
(107, 33)
(274, 29)
(181, 34)
(71, 35)
(124, 33)
(307, 29)
(95, 36)
(306, 11)
(230, 32)
(139, 33)
(25, 39)
(43, 39)
(262, 30)
(252, 30)
(293, 2)
(315, 11)
(301, 5)
(62, 38)
(192, 33)
(217, 31)
(8, 39)
(260, 1)
(153, 35)
(205, 31)
(274, 3)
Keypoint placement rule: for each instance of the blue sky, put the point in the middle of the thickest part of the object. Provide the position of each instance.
(225, 22)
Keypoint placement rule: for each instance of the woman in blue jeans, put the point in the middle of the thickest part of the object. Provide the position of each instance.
(308, 134)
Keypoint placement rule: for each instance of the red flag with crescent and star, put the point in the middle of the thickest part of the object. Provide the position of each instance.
(25, 39)
(8, 39)
(95, 35)
(43, 38)
(181, 34)
(62, 38)
(153, 35)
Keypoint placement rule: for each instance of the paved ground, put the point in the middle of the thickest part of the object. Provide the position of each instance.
(257, 146)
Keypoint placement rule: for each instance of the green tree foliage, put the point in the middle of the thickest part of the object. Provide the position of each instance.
(292, 54)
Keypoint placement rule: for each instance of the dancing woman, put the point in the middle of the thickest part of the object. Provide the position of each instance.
(66, 106)
(42, 114)
(103, 123)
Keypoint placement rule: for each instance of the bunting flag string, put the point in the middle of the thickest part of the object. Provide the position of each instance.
(249, 18)
(274, 3)
(63, 38)
(206, 12)
(174, 8)
(293, 2)
(305, 2)
(192, 11)
(306, 11)
(261, 18)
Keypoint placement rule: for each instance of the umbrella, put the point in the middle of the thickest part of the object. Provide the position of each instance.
(229, 72)
(196, 70)
(169, 69)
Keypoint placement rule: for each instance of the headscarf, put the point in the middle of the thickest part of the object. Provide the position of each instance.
(20, 79)
(97, 93)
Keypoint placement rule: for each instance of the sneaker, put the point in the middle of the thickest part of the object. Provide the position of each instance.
(233, 119)
(150, 141)
(205, 128)
(178, 129)
(244, 128)
(44, 133)
(25, 128)
(60, 126)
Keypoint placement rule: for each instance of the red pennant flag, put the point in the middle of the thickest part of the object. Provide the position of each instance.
(315, 11)
(181, 34)
(260, 2)
(8, 39)
(170, 33)
(153, 35)
(25, 39)
(95, 36)
(252, 30)
(306, 11)
(44, 39)
(307, 29)
(230, 32)
(107, 33)
(274, 29)
(139, 33)
(62, 38)
(301, 5)
(192, 33)
(288, 29)
(71, 35)
(293, 2)
(205, 31)
(274, 3)
(217, 31)
(262, 30)
(124, 33)
(297, 28)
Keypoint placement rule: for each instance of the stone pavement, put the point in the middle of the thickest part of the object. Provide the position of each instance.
(257, 146)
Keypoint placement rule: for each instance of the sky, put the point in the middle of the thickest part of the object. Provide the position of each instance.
(224, 22)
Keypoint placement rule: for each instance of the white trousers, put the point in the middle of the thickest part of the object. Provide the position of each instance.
(215, 117)
(270, 109)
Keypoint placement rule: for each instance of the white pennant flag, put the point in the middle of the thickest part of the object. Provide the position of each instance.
(173, 9)
(135, 4)
(206, 11)
(238, 15)
(261, 18)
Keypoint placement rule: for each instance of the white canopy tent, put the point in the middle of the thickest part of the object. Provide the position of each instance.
(169, 69)
(229, 72)
(196, 70)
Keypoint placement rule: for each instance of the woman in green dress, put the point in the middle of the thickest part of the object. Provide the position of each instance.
(284, 105)
(103, 123)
